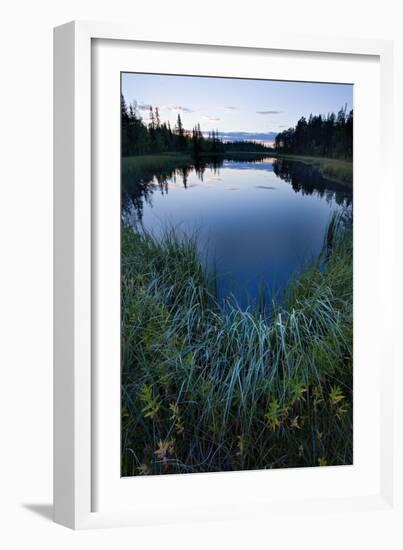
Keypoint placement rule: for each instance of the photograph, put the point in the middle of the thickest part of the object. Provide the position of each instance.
(236, 274)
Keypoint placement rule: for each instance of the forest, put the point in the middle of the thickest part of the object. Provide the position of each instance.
(159, 137)
(328, 136)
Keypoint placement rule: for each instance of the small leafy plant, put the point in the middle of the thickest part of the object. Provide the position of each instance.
(209, 387)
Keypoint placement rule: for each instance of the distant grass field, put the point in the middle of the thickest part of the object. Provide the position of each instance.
(337, 170)
(209, 388)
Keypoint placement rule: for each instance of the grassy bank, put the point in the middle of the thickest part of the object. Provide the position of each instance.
(207, 389)
(166, 161)
(337, 170)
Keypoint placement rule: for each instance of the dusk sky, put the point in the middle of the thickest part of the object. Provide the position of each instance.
(233, 105)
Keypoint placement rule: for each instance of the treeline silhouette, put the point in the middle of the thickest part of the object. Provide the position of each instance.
(155, 137)
(325, 136)
(245, 146)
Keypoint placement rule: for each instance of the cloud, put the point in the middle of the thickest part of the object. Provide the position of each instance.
(212, 118)
(178, 108)
(231, 108)
(242, 136)
(144, 107)
(268, 112)
(184, 109)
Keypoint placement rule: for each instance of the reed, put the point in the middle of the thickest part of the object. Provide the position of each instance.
(207, 387)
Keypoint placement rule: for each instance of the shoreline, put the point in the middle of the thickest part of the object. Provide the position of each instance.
(337, 170)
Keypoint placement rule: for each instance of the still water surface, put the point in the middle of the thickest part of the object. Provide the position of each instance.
(256, 222)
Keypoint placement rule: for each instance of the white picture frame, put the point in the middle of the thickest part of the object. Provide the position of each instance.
(79, 434)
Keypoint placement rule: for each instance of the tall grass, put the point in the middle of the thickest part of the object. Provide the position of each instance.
(211, 388)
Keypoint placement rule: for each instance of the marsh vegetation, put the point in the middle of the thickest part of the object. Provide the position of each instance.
(236, 298)
(213, 388)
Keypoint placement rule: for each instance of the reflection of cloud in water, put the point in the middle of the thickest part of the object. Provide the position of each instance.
(138, 189)
(176, 185)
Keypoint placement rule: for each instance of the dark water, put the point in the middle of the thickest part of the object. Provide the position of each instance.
(259, 220)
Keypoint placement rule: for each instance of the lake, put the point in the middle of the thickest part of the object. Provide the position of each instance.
(257, 220)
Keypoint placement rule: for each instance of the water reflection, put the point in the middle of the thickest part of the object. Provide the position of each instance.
(307, 179)
(138, 186)
(257, 220)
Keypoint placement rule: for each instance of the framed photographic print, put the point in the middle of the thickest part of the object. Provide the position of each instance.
(220, 273)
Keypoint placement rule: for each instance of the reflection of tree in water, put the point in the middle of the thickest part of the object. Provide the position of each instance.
(138, 187)
(307, 179)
